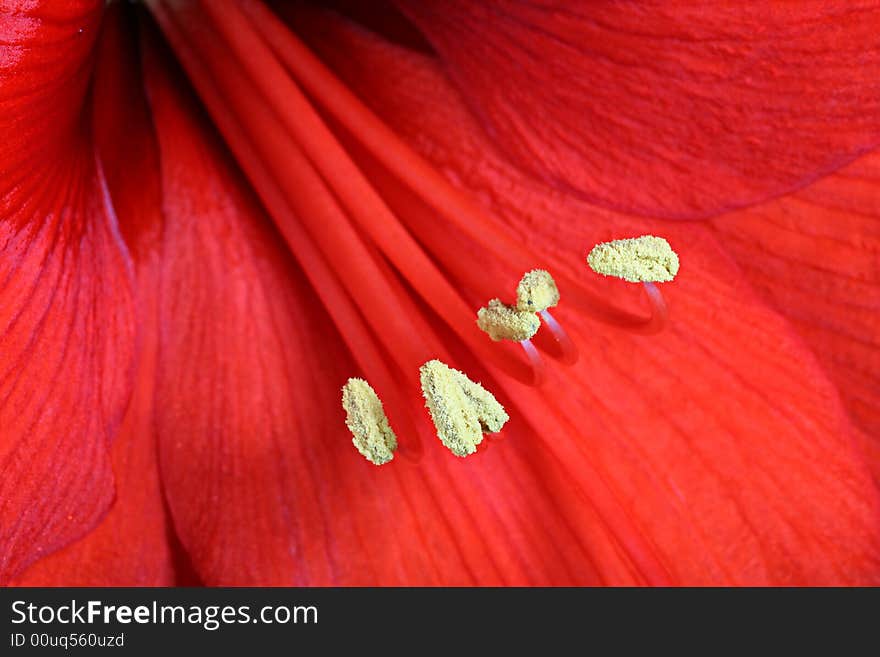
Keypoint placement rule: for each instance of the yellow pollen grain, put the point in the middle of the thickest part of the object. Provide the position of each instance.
(366, 419)
(461, 409)
(536, 291)
(638, 259)
(503, 322)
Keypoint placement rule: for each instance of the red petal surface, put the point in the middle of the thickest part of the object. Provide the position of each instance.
(66, 325)
(722, 438)
(816, 256)
(667, 108)
(131, 545)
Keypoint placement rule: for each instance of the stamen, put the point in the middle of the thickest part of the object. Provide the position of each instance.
(503, 322)
(366, 419)
(646, 259)
(637, 260)
(461, 409)
(536, 291)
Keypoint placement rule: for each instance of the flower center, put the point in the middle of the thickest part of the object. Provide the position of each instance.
(364, 254)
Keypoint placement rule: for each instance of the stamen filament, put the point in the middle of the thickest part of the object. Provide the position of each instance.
(429, 185)
(659, 311)
(536, 361)
(355, 333)
(309, 202)
(568, 351)
(379, 140)
(348, 183)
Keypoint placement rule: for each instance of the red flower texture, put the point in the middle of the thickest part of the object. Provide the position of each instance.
(213, 215)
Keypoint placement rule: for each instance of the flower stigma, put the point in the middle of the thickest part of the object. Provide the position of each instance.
(645, 259)
(365, 417)
(462, 410)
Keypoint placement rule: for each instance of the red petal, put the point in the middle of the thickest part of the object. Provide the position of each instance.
(666, 108)
(816, 256)
(130, 547)
(66, 325)
(721, 438)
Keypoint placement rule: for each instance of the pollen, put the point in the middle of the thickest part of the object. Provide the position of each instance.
(462, 410)
(638, 260)
(503, 322)
(536, 291)
(366, 419)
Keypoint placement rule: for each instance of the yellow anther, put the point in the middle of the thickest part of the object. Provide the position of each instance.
(366, 419)
(638, 260)
(503, 322)
(536, 291)
(461, 409)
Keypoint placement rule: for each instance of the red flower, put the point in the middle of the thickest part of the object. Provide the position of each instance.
(176, 342)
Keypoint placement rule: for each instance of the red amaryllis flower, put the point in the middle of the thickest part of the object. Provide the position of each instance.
(179, 308)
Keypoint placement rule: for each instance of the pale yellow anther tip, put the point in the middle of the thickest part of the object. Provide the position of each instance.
(536, 291)
(503, 322)
(638, 259)
(461, 409)
(365, 417)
